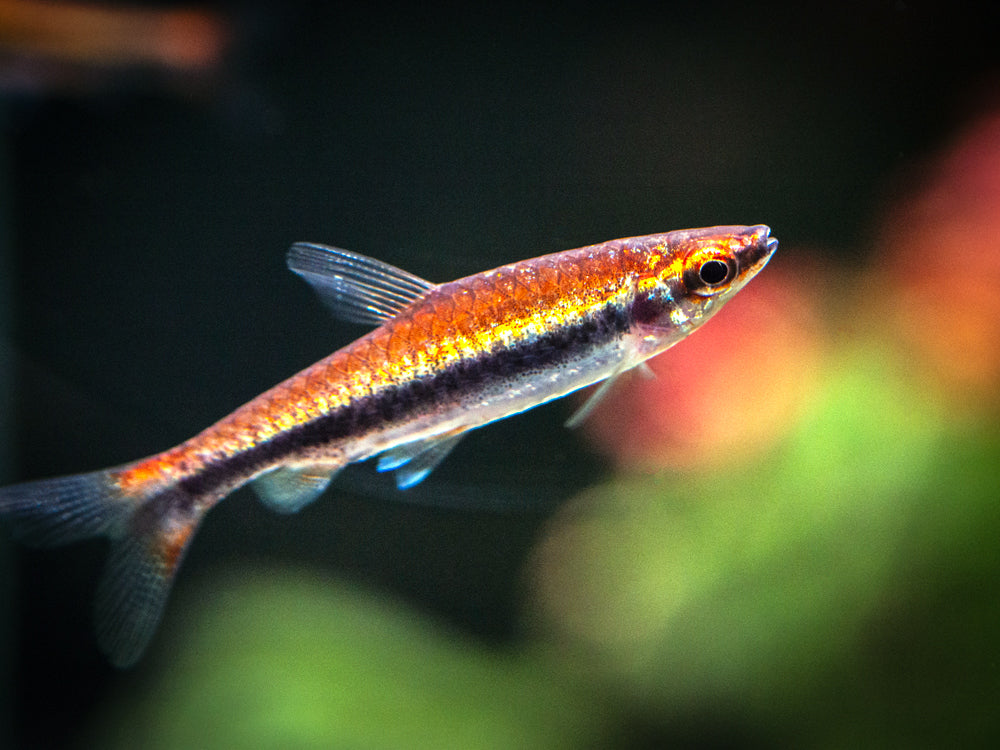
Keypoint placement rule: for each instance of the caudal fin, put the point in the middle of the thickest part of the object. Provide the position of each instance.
(149, 536)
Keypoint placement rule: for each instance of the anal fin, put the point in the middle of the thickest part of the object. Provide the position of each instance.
(288, 489)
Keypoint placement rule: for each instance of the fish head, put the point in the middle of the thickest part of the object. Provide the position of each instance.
(692, 273)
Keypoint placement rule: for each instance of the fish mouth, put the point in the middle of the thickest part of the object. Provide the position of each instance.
(756, 253)
(758, 250)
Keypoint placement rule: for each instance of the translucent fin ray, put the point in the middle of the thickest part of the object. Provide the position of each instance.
(133, 590)
(355, 287)
(149, 536)
(577, 418)
(413, 461)
(64, 510)
(288, 490)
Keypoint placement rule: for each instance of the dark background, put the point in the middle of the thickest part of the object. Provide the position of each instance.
(147, 219)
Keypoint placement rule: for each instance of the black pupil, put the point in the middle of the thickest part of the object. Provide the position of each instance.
(713, 272)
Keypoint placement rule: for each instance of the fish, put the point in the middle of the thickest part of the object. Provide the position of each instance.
(443, 359)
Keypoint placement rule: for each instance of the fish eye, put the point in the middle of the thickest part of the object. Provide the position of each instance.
(714, 272)
(708, 274)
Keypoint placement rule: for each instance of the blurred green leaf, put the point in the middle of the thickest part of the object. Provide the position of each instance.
(293, 660)
(834, 590)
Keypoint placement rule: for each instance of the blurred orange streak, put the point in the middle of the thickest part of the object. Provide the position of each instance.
(940, 267)
(99, 35)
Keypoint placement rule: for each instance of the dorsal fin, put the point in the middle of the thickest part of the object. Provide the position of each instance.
(355, 287)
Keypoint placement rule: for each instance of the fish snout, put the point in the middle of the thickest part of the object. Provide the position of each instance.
(757, 251)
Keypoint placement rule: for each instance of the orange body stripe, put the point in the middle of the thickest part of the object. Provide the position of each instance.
(452, 321)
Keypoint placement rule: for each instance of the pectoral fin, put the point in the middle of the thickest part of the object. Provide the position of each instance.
(592, 401)
(603, 390)
(645, 370)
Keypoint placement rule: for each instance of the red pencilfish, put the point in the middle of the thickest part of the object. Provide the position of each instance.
(443, 360)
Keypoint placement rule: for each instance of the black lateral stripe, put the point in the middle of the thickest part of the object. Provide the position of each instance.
(396, 402)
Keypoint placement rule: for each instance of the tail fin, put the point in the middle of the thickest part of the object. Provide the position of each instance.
(149, 536)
